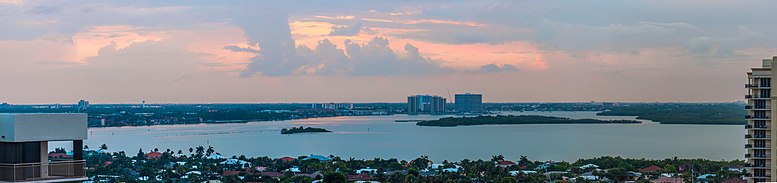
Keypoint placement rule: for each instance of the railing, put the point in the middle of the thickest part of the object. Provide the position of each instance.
(748, 126)
(756, 117)
(757, 165)
(751, 136)
(748, 96)
(748, 106)
(750, 86)
(748, 145)
(25, 172)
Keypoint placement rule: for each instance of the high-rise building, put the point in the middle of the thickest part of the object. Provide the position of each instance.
(425, 104)
(760, 146)
(469, 103)
(24, 147)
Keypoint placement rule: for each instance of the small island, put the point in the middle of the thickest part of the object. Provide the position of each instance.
(301, 129)
(511, 119)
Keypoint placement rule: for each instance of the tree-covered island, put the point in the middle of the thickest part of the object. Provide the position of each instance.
(302, 129)
(512, 119)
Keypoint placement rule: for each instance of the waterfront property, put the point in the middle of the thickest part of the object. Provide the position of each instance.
(760, 145)
(24, 140)
(469, 103)
(425, 104)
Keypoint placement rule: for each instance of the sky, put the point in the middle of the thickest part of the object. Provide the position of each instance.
(381, 51)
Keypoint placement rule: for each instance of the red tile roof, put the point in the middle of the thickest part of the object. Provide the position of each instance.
(668, 180)
(651, 168)
(358, 177)
(227, 173)
(272, 174)
(154, 155)
(505, 163)
(59, 155)
(734, 180)
(288, 158)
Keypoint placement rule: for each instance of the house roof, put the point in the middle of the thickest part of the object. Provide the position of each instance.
(505, 162)
(272, 174)
(227, 173)
(734, 180)
(358, 177)
(318, 157)
(59, 155)
(651, 168)
(668, 180)
(154, 155)
(287, 158)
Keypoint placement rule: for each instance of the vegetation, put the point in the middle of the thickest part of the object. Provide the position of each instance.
(195, 166)
(301, 129)
(683, 113)
(511, 119)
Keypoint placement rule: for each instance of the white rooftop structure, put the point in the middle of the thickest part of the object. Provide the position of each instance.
(32, 127)
(24, 140)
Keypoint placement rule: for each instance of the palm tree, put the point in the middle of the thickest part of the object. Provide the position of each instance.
(210, 150)
(103, 147)
(200, 150)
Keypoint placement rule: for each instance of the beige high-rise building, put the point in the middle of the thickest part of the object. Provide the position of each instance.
(760, 101)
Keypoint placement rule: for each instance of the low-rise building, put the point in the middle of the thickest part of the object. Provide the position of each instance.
(24, 144)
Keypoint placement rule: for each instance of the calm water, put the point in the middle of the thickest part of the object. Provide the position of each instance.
(367, 137)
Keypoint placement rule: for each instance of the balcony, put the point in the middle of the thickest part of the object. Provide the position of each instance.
(761, 176)
(748, 96)
(751, 136)
(748, 126)
(755, 86)
(757, 117)
(748, 106)
(763, 165)
(751, 146)
(57, 171)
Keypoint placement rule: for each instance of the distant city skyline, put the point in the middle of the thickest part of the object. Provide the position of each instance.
(380, 51)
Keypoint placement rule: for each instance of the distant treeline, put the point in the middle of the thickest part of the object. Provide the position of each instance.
(683, 113)
(511, 119)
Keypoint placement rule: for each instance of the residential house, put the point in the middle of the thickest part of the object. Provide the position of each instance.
(668, 180)
(650, 169)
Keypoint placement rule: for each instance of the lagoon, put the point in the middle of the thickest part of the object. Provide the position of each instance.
(368, 137)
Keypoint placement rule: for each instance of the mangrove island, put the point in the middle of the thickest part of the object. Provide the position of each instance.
(512, 119)
(301, 129)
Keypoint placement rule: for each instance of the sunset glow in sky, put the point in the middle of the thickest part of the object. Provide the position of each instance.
(380, 51)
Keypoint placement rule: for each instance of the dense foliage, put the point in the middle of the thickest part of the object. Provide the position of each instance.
(683, 113)
(195, 166)
(301, 129)
(511, 119)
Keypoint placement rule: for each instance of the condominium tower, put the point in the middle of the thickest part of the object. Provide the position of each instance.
(469, 103)
(425, 104)
(760, 146)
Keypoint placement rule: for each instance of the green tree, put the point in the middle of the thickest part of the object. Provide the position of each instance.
(335, 177)
(616, 174)
(103, 147)
(508, 180)
(670, 168)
